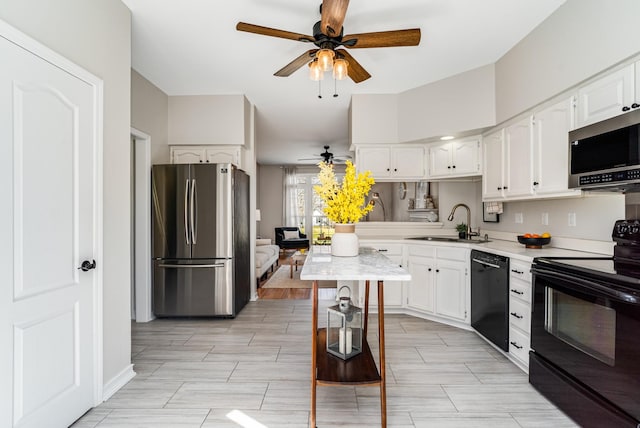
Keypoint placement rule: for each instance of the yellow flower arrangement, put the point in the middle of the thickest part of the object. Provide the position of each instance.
(344, 203)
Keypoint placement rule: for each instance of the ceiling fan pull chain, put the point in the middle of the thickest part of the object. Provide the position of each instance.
(335, 88)
(319, 88)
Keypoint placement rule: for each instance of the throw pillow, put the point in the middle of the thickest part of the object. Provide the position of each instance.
(290, 234)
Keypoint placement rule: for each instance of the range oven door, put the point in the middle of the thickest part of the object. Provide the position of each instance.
(589, 331)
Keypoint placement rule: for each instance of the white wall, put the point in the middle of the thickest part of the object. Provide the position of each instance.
(448, 107)
(373, 119)
(96, 35)
(150, 114)
(208, 119)
(581, 39)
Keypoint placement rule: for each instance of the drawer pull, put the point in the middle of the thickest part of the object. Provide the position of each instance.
(519, 272)
(515, 314)
(515, 344)
(382, 250)
(513, 290)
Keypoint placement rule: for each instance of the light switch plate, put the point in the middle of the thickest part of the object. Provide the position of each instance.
(519, 218)
(545, 219)
(572, 219)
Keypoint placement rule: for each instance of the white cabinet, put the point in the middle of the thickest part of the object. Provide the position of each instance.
(609, 96)
(393, 290)
(439, 281)
(389, 163)
(529, 158)
(206, 154)
(520, 311)
(458, 158)
(492, 165)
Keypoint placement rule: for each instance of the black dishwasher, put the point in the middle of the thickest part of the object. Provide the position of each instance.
(490, 297)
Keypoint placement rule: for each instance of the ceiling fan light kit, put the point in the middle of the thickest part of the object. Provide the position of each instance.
(328, 36)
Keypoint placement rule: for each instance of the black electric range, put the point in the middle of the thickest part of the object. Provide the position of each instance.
(584, 325)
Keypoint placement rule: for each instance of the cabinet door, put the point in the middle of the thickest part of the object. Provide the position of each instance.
(392, 290)
(606, 97)
(551, 157)
(466, 157)
(519, 159)
(451, 290)
(187, 155)
(492, 160)
(420, 292)
(440, 161)
(223, 155)
(375, 159)
(408, 162)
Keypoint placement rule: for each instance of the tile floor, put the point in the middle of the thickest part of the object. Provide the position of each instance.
(253, 372)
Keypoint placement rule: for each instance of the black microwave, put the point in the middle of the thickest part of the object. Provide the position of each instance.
(606, 155)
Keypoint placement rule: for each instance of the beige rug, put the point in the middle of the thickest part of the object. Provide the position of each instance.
(280, 279)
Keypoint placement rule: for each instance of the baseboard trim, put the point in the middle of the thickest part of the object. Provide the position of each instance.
(117, 382)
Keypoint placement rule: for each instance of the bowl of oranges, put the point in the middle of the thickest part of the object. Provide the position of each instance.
(534, 240)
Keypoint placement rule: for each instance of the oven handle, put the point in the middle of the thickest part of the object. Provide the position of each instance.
(570, 282)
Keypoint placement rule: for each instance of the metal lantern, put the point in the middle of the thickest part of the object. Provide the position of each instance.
(344, 328)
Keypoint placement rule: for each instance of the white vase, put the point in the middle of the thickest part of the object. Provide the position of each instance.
(344, 242)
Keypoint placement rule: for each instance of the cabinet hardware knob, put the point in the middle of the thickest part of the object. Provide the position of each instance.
(449, 167)
(535, 183)
(626, 108)
(388, 169)
(200, 160)
(515, 314)
(499, 188)
(505, 187)
(635, 105)
(516, 345)
(513, 290)
(437, 270)
(454, 167)
(429, 269)
(87, 265)
(395, 169)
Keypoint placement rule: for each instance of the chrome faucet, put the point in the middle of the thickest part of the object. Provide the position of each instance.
(450, 218)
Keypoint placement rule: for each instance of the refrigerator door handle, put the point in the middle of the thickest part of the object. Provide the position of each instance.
(212, 265)
(186, 211)
(194, 208)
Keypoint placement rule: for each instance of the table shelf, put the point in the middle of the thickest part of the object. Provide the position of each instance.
(331, 370)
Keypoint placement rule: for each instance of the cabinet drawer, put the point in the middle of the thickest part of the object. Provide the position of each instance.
(456, 254)
(520, 290)
(386, 249)
(520, 315)
(520, 270)
(422, 250)
(519, 345)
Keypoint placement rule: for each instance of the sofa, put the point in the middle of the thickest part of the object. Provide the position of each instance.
(266, 256)
(292, 239)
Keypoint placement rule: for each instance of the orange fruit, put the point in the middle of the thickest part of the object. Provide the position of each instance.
(535, 235)
(526, 235)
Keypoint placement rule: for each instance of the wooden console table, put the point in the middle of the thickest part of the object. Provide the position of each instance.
(326, 369)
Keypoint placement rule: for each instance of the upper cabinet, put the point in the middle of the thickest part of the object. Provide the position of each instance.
(614, 94)
(392, 162)
(529, 158)
(206, 154)
(457, 158)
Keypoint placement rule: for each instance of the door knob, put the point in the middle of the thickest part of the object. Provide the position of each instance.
(87, 265)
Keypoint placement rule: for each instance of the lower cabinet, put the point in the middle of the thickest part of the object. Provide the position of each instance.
(520, 311)
(393, 290)
(439, 281)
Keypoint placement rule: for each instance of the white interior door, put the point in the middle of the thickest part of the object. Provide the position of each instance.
(47, 229)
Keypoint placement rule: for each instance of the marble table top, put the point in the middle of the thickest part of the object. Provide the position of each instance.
(368, 265)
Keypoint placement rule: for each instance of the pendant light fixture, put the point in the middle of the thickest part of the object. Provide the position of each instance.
(315, 71)
(340, 69)
(325, 59)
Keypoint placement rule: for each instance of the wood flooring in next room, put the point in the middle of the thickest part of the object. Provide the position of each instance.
(290, 293)
(254, 371)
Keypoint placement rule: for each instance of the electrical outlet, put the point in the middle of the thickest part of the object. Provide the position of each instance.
(545, 219)
(572, 219)
(519, 218)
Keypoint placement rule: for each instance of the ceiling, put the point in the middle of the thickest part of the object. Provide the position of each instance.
(191, 47)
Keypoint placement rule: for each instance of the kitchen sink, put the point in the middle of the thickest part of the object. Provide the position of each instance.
(449, 239)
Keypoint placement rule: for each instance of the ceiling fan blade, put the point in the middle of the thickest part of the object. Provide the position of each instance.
(294, 65)
(266, 31)
(333, 13)
(356, 72)
(383, 39)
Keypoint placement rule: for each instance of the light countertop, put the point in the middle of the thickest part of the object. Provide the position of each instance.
(368, 265)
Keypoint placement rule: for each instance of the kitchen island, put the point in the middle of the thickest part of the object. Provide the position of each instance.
(326, 369)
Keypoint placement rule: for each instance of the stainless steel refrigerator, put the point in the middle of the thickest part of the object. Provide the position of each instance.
(200, 240)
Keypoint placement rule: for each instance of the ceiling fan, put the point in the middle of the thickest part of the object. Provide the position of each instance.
(328, 157)
(328, 36)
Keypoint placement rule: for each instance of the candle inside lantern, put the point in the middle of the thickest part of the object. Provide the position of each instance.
(345, 341)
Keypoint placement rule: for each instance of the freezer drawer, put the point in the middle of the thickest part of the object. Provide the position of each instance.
(193, 289)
